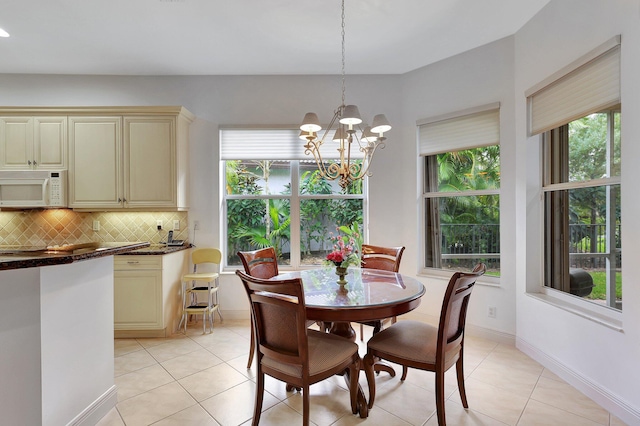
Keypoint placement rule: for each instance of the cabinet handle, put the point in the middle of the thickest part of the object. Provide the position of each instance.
(35, 163)
(29, 162)
(124, 200)
(132, 262)
(119, 200)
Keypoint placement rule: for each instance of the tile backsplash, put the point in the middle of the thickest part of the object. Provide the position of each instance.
(64, 226)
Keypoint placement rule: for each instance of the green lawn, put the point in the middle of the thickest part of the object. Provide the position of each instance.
(600, 281)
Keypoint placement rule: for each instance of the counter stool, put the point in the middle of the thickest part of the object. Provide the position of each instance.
(204, 284)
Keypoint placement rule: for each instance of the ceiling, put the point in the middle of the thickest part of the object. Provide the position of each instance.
(247, 37)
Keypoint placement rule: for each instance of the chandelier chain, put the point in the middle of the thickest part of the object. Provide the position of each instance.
(343, 68)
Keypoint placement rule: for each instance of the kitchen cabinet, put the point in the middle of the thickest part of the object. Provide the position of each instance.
(147, 299)
(33, 142)
(130, 161)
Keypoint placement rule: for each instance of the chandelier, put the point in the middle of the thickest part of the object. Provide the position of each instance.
(351, 134)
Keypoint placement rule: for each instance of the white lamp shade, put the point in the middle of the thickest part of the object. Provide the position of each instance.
(368, 135)
(310, 123)
(351, 115)
(340, 135)
(380, 124)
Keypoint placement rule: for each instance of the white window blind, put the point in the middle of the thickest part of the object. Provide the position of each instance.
(589, 85)
(273, 144)
(462, 131)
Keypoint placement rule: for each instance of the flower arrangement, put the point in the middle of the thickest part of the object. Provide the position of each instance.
(345, 250)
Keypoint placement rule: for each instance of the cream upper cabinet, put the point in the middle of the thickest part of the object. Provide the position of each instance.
(130, 161)
(150, 162)
(95, 172)
(33, 142)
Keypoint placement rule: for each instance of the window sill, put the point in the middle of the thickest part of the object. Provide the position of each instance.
(603, 315)
(485, 280)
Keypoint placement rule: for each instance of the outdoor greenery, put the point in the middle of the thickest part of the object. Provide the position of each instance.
(266, 221)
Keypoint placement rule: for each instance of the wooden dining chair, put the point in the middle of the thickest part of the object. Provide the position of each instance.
(287, 349)
(419, 345)
(384, 258)
(262, 263)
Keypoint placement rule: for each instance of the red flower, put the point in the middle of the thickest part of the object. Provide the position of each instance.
(335, 256)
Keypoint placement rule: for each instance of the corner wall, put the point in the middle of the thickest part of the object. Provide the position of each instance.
(597, 359)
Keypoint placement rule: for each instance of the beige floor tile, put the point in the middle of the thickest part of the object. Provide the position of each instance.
(235, 406)
(191, 363)
(549, 375)
(192, 416)
(133, 361)
(211, 381)
(111, 419)
(405, 400)
(125, 346)
(521, 382)
(455, 414)
(540, 414)
(227, 345)
(377, 417)
(427, 380)
(143, 380)
(279, 415)
(327, 403)
(563, 396)
(502, 405)
(151, 342)
(155, 405)
(240, 364)
(515, 359)
(173, 349)
(276, 388)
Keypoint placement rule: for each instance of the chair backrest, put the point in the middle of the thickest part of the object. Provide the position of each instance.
(262, 263)
(205, 255)
(279, 319)
(454, 309)
(386, 258)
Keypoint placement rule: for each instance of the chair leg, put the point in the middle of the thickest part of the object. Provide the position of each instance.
(371, 380)
(305, 405)
(440, 397)
(252, 348)
(257, 410)
(361, 333)
(460, 376)
(354, 373)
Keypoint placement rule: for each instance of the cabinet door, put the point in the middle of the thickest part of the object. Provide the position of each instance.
(50, 142)
(138, 300)
(150, 162)
(95, 152)
(16, 143)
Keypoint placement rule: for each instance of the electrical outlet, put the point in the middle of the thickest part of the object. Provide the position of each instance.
(159, 224)
(96, 225)
(492, 312)
(196, 225)
(176, 225)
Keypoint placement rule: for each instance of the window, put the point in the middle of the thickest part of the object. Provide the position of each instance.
(461, 190)
(282, 201)
(577, 111)
(583, 252)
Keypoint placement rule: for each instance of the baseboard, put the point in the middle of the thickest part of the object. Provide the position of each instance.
(605, 398)
(97, 409)
(131, 334)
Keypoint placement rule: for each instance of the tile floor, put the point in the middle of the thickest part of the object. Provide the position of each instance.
(197, 379)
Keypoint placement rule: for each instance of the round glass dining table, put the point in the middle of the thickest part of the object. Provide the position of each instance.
(369, 295)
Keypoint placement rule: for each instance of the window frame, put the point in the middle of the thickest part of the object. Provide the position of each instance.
(557, 136)
(295, 199)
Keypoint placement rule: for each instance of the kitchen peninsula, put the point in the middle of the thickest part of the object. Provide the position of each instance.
(56, 334)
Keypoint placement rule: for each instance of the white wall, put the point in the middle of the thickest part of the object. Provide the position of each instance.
(478, 77)
(599, 360)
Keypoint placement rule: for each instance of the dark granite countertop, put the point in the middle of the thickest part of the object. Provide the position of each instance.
(158, 249)
(14, 258)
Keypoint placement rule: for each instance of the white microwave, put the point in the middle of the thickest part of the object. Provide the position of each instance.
(33, 189)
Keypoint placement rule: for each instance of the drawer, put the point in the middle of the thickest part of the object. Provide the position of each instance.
(131, 263)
